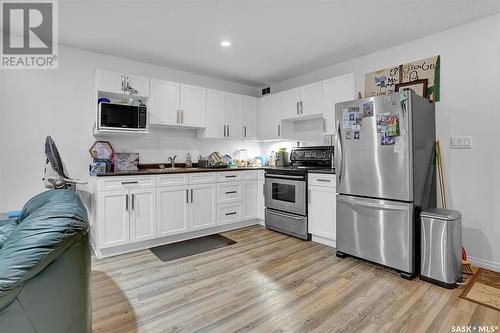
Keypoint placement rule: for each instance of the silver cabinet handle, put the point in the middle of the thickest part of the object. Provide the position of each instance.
(182, 116)
(245, 130)
(340, 159)
(130, 183)
(177, 118)
(232, 213)
(228, 130)
(123, 83)
(297, 107)
(191, 195)
(231, 192)
(323, 180)
(231, 176)
(187, 196)
(279, 130)
(128, 84)
(301, 108)
(126, 202)
(224, 130)
(133, 199)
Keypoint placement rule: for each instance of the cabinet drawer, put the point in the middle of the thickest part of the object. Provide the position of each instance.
(168, 180)
(249, 175)
(321, 179)
(229, 192)
(202, 178)
(228, 176)
(116, 183)
(229, 213)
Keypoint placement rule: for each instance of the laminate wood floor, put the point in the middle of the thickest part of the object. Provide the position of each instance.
(269, 282)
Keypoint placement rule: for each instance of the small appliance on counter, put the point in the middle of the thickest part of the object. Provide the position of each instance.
(285, 190)
(282, 158)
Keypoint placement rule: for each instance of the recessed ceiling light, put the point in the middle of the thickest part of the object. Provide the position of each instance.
(225, 43)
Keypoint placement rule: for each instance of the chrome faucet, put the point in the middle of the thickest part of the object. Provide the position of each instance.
(172, 161)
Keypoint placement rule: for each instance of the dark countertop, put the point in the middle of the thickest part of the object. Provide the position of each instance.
(168, 171)
(323, 171)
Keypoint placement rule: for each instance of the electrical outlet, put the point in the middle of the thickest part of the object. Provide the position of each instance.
(461, 142)
(328, 140)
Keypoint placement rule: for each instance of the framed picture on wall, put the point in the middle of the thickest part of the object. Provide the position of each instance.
(419, 86)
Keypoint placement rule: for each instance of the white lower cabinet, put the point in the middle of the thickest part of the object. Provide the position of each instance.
(322, 208)
(172, 209)
(142, 214)
(134, 209)
(229, 213)
(249, 196)
(202, 206)
(113, 218)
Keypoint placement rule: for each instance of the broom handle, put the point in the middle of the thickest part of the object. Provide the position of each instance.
(444, 197)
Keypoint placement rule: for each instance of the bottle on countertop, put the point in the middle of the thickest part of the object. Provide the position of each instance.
(189, 162)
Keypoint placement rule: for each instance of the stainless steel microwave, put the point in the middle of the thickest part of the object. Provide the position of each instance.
(122, 117)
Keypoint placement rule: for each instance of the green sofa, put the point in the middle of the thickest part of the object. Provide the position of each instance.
(45, 266)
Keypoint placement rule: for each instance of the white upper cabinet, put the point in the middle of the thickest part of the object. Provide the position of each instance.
(335, 90)
(234, 128)
(193, 106)
(290, 100)
(164, 102)
(249, 117)
(311, 99)
(137, 85)
(216, 114)
(122, 83)
(270, 117)
(302, 102)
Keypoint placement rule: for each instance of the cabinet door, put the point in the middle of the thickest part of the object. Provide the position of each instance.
(110, 81)
(172, 207)
(250, 194)
(336, 90)
(249, 117)
(113, 226)
(139, 83)
(216, 114)
(260, 200)
(322, 210)
(142, 214)
(289, 103)
(233, 116)
(202, 207)
(311, 98)
(193, 106)
(164, 103)
(270, 117)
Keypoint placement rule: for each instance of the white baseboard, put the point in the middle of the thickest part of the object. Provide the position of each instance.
(325, 241)
(491, 265)
(261, 222)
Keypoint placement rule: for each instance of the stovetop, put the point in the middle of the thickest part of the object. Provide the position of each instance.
(307, 159)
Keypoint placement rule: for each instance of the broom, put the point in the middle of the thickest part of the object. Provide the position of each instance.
(466, 265)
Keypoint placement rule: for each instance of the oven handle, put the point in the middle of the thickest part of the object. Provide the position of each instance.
(285, 177)
(284, 215)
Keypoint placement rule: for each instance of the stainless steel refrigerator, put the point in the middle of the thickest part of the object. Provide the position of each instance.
(385, 165)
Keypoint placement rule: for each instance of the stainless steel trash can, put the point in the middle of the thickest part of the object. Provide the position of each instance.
(441, 247)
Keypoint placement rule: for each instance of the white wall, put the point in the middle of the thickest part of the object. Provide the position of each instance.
(469, 106)
(60, 102)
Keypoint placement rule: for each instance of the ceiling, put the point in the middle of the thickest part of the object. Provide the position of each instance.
(271, 40)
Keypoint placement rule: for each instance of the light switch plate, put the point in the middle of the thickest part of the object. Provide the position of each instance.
(328, 140)
(461, 142)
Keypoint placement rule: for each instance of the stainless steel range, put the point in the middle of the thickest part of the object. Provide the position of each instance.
(285, 190)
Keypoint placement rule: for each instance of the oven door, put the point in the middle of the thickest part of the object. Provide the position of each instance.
(119, 116)
(286, 193)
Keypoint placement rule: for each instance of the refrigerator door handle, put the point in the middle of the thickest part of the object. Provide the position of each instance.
(340, 152)
(370, 204)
